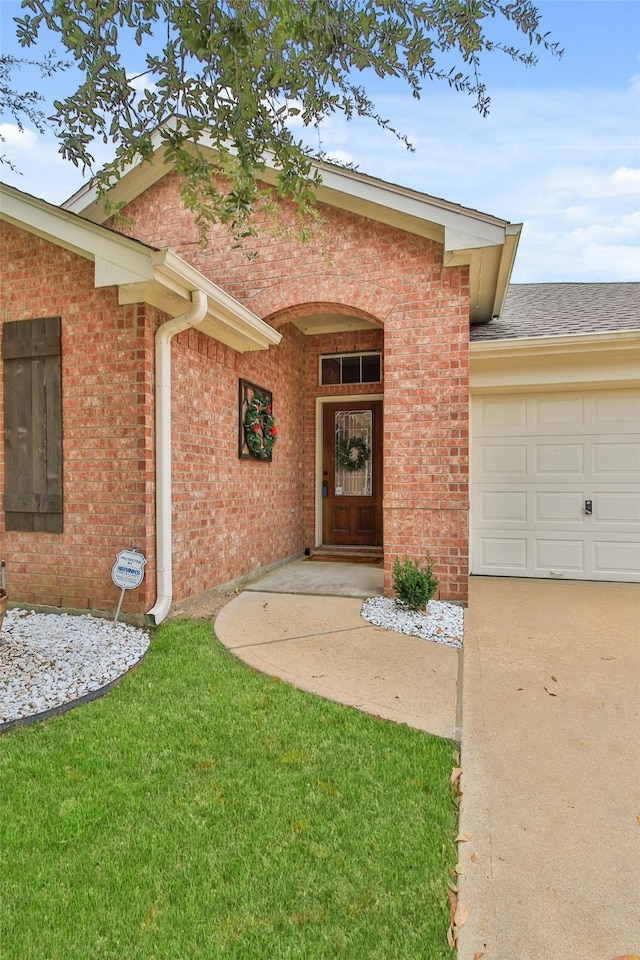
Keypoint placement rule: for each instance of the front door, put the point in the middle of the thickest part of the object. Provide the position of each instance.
(352, 474)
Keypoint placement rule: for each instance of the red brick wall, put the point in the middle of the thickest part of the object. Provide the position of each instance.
(107, 401)
(361, 267)
(233, 516)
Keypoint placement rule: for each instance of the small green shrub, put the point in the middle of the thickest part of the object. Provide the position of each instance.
(413, 583)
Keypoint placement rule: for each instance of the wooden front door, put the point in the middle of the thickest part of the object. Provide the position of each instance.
(352, 474)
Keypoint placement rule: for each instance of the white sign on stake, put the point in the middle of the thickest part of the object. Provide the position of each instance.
(127, 573)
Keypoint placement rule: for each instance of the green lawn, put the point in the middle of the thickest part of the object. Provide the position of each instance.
(202, 810)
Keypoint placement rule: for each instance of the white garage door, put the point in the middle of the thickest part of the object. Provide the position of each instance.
(555, 485)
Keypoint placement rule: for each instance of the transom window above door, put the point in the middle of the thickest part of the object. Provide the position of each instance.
(351, 368)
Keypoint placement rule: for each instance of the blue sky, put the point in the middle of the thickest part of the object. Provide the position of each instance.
(559, 152)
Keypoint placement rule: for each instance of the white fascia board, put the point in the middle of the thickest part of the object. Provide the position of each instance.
(81, 199)
(109, 273)
(545, 346)
(491, 269)
(587, 361)
(117, 259)
(136, 177)
(460, 229)
(507, 260)
(458, 240)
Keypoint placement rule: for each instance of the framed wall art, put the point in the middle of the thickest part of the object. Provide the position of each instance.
(257, 431)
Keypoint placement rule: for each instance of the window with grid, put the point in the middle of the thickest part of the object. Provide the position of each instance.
(341, 368)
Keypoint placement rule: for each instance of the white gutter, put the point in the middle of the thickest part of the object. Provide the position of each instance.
(164, 569)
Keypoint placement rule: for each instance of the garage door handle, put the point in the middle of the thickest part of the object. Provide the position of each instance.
(588, 507)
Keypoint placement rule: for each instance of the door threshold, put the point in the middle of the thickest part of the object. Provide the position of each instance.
(346, 554)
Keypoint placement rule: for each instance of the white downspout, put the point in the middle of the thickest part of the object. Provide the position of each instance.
(164, 570)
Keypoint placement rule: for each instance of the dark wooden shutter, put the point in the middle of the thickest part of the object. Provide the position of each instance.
(32, 425)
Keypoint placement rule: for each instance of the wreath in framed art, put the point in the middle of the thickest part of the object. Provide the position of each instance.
(257, 431)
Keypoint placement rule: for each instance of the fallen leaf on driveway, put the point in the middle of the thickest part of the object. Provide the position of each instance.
(611, 658)
(478, 955)
(457, 918)
(453, 904)
(463, 837)
(555, 679)
(456, 922)
(628, 956)
(459, 869)
(461, 914)
(550, 692)
(453, 901)
(455, 774)
(474, 858)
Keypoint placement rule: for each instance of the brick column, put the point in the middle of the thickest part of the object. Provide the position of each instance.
(426, 434)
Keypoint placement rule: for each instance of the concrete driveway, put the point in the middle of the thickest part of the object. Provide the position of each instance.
(551, 771)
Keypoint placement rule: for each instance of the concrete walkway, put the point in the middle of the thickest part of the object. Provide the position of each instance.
(550, 742)
(322, 644)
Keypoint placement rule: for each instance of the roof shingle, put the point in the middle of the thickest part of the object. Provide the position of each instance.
(561, 309)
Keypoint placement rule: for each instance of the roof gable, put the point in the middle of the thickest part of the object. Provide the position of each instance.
(486, 244)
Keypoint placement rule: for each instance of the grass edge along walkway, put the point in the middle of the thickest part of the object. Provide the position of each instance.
(204, 810)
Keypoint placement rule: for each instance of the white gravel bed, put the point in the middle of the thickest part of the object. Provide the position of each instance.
(444, 622)
(49, 659)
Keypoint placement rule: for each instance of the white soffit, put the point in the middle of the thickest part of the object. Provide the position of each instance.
(315, 323)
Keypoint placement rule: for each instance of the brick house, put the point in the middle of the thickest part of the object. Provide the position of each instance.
(146, 351)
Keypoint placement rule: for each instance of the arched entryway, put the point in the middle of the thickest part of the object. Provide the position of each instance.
(342, 423)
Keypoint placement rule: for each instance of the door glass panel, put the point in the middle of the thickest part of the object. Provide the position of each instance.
(353, 453)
